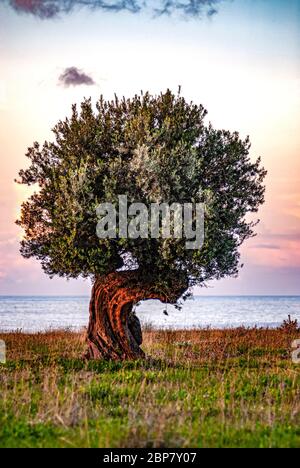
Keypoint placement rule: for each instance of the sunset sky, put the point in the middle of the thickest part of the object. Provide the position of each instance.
(239, 58)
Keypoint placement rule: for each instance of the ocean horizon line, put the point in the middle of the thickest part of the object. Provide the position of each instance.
(194, 295)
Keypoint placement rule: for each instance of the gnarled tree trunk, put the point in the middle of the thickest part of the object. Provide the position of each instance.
(114, 331)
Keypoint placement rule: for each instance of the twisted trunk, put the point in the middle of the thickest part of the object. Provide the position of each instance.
(114, 331)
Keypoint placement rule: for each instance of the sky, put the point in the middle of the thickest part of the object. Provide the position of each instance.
(239, 58)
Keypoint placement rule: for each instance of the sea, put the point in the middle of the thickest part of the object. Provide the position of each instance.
(44, 313)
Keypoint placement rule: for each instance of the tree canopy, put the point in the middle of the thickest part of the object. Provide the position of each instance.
(152, 149)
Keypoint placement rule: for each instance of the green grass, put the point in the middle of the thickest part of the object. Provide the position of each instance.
(209, 388)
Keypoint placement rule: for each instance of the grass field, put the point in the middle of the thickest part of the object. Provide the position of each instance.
(201, 388)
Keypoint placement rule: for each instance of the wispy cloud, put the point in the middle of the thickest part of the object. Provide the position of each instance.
(277, 250)
(47, 9)
(284, 236)
(72, 76)
(266, 246)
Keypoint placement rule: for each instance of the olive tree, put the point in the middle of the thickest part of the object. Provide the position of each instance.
(153, 149)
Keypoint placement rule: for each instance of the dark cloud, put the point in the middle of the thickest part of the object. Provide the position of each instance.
(46, 9)
(72, 76)
(188, 8)
(212, 11)
(40, 8)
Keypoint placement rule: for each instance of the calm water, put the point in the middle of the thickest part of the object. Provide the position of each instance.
(42, 313)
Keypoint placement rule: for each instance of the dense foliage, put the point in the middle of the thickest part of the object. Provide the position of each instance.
(153, 149)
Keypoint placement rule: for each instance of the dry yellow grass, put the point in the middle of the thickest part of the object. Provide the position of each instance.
(195, 346)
